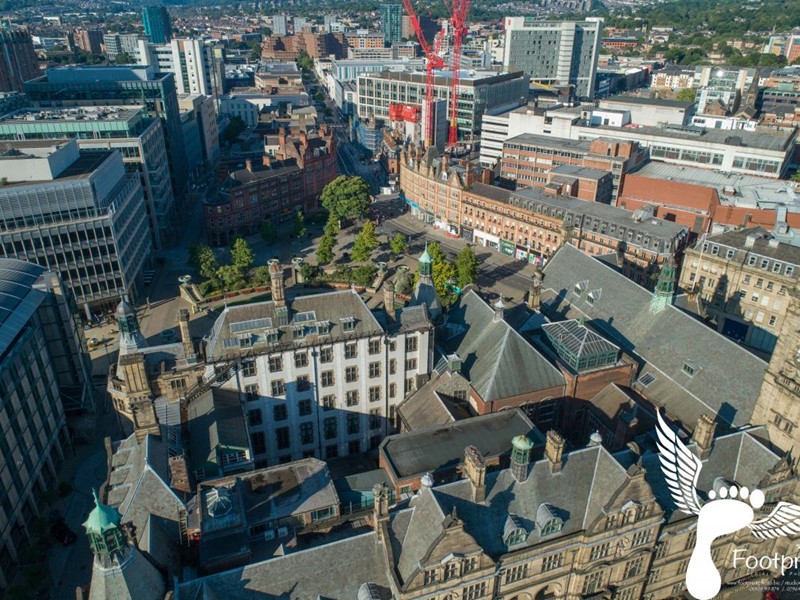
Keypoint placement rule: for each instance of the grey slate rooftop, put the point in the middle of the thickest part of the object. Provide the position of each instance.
(497, 361)
(310, 315)
(689, 363)
(333, 571)
(737, 238)
(442, 448)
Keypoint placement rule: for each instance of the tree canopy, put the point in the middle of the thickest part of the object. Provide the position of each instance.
(346, 198)
(466, 267)
(366, 241)
(241, 254)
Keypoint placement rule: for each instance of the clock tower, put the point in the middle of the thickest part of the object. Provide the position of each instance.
(778, 406)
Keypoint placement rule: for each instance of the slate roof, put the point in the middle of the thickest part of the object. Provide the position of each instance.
(139, 489)
(577, 504)
(427, 407)
(216, 422)
(740, 457)
(329, 307)
(333, 571)
(663, 343)
(497, 361)
(440, 448)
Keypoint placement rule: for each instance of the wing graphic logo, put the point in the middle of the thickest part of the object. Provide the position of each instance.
(727, 510)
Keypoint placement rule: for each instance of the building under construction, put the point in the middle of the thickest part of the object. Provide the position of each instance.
(478, 91)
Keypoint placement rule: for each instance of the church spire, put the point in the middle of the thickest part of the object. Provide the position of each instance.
(105, 535)
(425, 263)
(665, 287)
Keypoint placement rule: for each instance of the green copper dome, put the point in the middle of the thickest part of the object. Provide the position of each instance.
(521, 442)
(102, 518)
(425, 258)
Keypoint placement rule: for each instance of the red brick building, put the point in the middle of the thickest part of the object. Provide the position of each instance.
(288, 47)
(250, 196)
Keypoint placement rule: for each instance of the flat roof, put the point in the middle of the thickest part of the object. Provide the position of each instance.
(86, 114)
(442, 447)
(647, 101)
(733, 188)
(760, 139)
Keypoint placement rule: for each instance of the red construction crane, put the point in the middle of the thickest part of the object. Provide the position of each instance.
(433, 61)
(458, 21)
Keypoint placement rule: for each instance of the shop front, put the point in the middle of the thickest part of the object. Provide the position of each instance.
(486, 239)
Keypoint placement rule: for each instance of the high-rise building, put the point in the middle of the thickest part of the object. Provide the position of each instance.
(299, 23)
(17, 60)
(157, 24)
(205, 113)
(192, 62)
(89, 40)
(279, 24)
(129, 85)
(77, 212)
(555, 52)
(392, 22)
(129, 129)
(131, 44)
(40, 343)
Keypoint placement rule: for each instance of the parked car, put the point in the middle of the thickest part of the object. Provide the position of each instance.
(62, 533)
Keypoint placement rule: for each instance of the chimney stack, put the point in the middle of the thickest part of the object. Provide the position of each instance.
(475, 470)
(276, 284)
(388, 298)
(703, 435)
(620, 256)
(535, 293)
(520, 457)
(186, 336)
(380, 510)
(499, 309)
(248, 164)
(554, 450)
(266, 160)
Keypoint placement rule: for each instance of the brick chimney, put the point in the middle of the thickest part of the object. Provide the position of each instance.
(475, 470)
(248, 164)
(179, 474)
(487, 176)
(554, 450)
(703, 435)
(303, 138)
(282, 136)
(266, 160)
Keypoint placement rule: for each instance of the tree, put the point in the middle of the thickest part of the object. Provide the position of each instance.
(686, 95)
(364, 275)
(241, 254)
(230, 276)
(346, 198)
(261, 275)
(202, 258)
(325, 249)
(398, 244)
(305, 62)
(403, 282)
(235, 126)
(442, 273)
(436, 253)
(466, 267)
(123, 58)
(299, 226)
(269, 233)
(366, 241)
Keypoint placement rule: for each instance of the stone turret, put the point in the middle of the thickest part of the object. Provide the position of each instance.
(119, 570)
(388, 298)
(130, 337)
(535, 293)
(520, 457)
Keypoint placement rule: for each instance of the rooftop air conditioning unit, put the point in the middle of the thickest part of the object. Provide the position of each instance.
(283, 531)
(269, 534)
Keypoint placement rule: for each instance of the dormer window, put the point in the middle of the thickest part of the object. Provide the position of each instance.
(514, 532)
(548, 520)
(593, 296)
(580, 287)
(689, 369)
(348, 323)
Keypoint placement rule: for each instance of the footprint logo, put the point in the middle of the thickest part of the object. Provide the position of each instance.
(728, 510)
